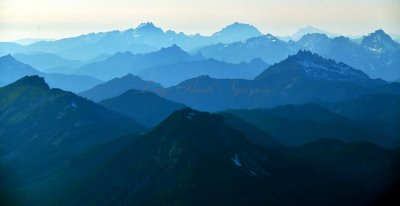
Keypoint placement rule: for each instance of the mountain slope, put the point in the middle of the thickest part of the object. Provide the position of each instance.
(145, 107)
(145, 38)
(310, 30)
(377, 55)
(297, 125)
(11, 70)
(118, 86)
(256, 135)
(299, 79)
(379, 41)
(235, 32)
(42, 127)
(378, 112)
(315, 67)
(358, 162)
(47, 62)
(124, 63)
(194, 158)
(269, 48)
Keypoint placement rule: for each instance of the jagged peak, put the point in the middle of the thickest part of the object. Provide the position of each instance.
(239, 24)
(316, 67)
(378, 32)
(147, 27)
(306, 54)
(33, 81)
(379, 41)
(377, 35)
(263, 38)
(173, 48)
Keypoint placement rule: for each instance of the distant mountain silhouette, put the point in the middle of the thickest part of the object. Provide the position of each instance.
(299, 79)
(307, 30)
(217, 69)
(379, 41)
(143, 39)
(267, 47)
(236, 32)
(308, 119)
(10, 48)
(367, 56)
(47, 62)
(11, 70)
(121, 64)
(118, 86)
(145, 107)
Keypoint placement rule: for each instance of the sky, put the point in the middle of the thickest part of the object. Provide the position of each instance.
(63, 18)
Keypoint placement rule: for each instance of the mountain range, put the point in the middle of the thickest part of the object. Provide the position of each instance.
(118, 86)
(142, 39)
(146, 107)
(267, 47)
(195, 156)
(307, 30)
(152, 117)
(123, 63)
(311, 122)
(377, 55)
(48, 62)
(11, 70)
(41, 128)
(211, 67)
(301, 78)
(66, 150)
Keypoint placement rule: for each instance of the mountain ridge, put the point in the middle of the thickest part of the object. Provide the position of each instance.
(12, 70)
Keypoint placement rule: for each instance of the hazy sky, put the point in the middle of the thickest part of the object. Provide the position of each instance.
(62, 18)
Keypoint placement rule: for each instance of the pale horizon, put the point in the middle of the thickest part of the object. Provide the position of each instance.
(21, 19)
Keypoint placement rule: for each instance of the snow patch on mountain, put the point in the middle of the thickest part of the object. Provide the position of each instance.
(236, 160)
(74, 105)
(190, 115)
(339, 72)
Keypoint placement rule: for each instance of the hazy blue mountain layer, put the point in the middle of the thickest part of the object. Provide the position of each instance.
(145, 107)
(377, 54)
(124, 63)
(11, 70)
(182, 71)
(301, 78)
(142, 39)
(118, 86)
